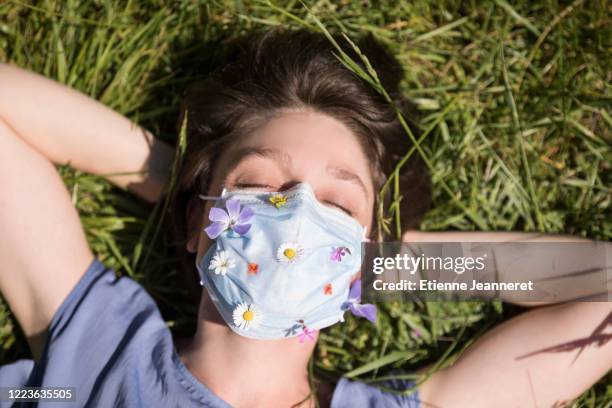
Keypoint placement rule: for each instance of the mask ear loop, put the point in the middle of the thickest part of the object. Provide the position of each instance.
(208, 198)
(212, 198)
(364, 236)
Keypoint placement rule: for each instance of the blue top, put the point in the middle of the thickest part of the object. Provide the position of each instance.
(109, 341)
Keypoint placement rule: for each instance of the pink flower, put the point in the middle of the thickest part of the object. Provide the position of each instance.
(307, 334)
(338, 253)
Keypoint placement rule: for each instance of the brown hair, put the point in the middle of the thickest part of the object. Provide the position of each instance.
(282, 69)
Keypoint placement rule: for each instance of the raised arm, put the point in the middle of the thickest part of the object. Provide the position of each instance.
(66, 126)
(486, 236)
(583, 268)
(42, 245)
(545, 357)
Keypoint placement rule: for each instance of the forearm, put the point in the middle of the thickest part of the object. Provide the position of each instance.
(68, 127)
(562, 268)
(486, 236)
(546, 355)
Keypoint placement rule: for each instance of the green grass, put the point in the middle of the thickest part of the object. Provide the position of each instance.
(515, 98)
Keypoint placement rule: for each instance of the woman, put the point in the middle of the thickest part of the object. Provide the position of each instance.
(283, 116)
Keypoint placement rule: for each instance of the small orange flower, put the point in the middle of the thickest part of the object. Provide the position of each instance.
(327, 290)
(253, 268)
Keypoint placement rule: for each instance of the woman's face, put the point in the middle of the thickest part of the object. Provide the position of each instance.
(295, 147)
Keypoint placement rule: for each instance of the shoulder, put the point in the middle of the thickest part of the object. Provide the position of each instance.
(104, 305)
(108, 332)
(110, 343)
(389, 394)
(106, 310)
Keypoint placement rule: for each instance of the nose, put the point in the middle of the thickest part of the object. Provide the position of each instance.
(292, 183)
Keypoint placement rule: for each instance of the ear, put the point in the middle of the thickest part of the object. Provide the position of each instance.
(194, 218)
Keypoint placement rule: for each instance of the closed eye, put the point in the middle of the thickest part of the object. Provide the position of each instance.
(338, 206)
(247, 186)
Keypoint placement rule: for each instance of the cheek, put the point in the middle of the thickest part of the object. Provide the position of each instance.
(198, 241)
(203, 241)
(369, 218)
(197, 221)
(369, 223)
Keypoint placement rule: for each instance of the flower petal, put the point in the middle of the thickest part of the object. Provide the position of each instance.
(241, 229)
(367, 311)
(355, 292)
(233, 208)
(334, 255)
(245, 215)
(214, 230)
(218, 215)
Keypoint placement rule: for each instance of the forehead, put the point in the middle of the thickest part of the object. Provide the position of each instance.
(311, 139)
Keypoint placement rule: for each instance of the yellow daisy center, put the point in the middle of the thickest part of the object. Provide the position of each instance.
(278, 200)
(289, 253)
(248, 315)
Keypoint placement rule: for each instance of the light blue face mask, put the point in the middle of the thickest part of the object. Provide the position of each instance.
(282, 263)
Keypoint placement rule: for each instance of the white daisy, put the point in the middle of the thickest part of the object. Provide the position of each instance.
(221, 262)
(246, 316)
(289, 252)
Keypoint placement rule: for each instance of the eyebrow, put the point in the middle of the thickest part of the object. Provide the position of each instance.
(280, 156)
(346, 175)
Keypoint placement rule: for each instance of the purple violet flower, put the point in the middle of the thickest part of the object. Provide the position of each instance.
(235, 219)
(367, 311)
